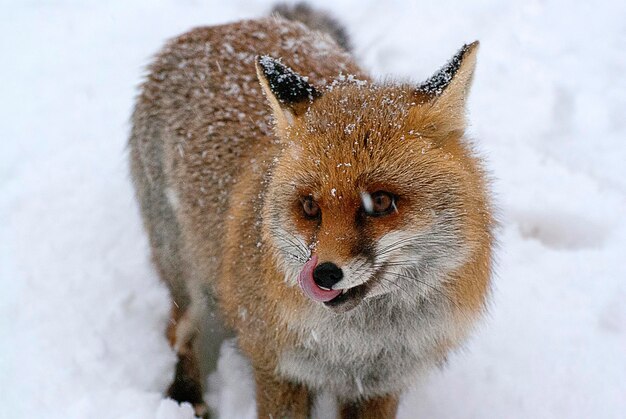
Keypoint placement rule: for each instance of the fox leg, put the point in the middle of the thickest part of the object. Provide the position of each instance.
(276, 398)
(187, 384)
(380, 407)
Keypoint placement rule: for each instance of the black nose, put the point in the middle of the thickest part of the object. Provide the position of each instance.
(327, 274)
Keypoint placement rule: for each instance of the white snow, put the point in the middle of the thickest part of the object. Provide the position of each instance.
(82, 313)
(367, 201)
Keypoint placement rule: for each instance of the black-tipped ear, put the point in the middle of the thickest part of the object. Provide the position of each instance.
(458, 71)
(286, 85)
(445, 93)
(288, 92)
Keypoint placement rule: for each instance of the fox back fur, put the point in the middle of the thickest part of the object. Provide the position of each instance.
(341, 227)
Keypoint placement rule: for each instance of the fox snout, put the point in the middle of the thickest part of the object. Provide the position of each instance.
(317, 282)
(327, 274)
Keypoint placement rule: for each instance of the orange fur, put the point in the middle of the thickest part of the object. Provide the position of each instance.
(202, 134)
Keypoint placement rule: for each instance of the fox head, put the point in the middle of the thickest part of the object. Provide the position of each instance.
(375, 191)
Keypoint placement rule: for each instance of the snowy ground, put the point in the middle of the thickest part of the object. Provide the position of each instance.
(82, 312)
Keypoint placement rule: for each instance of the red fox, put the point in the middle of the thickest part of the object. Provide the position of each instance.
(340, 226)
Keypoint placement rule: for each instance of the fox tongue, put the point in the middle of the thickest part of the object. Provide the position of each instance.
(308, 285)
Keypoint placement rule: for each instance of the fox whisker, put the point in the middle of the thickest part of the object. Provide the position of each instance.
(429, 286)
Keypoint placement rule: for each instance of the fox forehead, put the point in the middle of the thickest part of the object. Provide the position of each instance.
(344, 168)
(357, 135)
(368, 113)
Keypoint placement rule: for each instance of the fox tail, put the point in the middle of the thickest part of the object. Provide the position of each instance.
(318, 20)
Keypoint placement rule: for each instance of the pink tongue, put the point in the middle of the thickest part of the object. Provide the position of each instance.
(308, 285)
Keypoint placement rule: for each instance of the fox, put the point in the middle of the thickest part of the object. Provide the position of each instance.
(340, 227)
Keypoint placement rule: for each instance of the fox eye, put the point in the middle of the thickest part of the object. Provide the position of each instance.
(382, 203)
(310, 207)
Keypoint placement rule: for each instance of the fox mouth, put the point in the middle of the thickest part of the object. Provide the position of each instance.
(348, 299)
(339, 300)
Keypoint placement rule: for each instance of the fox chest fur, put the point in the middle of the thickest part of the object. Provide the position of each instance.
(365, 354)
(342, 226)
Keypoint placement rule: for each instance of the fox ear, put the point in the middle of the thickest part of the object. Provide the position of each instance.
(289, 93)
(447, 90)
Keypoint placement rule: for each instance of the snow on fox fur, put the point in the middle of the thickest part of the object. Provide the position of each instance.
(339, 226)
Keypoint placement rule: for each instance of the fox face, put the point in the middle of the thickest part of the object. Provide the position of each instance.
(371, 193)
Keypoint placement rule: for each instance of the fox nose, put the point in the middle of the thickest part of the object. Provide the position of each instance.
(327, 274)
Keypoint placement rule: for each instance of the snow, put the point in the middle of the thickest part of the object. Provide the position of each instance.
(82, 313)
(367, 201)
